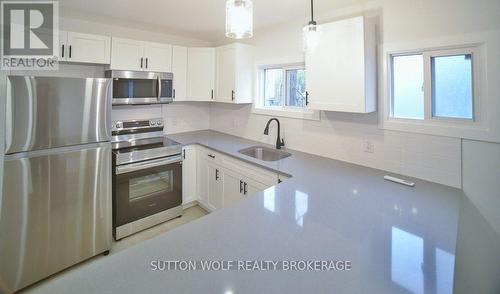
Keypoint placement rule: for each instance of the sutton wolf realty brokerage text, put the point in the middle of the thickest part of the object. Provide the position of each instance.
(250, 265)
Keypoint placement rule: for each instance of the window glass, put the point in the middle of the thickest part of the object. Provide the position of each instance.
(452, 86)
(273, 85)
(295, 87)
(407, 83)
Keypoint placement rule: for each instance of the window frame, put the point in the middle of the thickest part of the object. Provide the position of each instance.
(434, 124)
(284, 110)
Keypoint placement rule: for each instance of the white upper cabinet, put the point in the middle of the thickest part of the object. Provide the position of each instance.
(127, 54)
(85, 48)
(140, 56)
(200, 73)
(179, 69)
(158, 57)
(234, 73)
(341, 71)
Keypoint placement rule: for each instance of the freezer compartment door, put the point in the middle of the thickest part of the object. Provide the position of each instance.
(50, 112)
(56, 212)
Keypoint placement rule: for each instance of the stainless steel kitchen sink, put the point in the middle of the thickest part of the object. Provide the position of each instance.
(264, 153)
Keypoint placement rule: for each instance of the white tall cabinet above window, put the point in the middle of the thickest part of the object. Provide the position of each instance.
(341, 72)
(84, 48)
(201, 74)
(140, 56)
(234, 73)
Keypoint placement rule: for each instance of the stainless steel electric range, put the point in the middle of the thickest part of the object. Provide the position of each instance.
(147, 176)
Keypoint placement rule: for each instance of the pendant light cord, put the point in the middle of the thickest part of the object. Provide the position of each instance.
(312, 22)
(312, 11)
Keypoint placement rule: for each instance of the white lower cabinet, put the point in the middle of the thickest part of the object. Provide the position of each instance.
(222, 180)
(253, 187)
(189, 174)
(233, 187)
(215, 186)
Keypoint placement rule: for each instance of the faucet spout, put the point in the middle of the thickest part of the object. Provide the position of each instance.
(279, 142)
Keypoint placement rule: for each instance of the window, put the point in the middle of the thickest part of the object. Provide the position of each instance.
(284, 87)
(273, 87)
(408, 86)
(283, 92)
(433, 85)
(452, 86)
(295, 87)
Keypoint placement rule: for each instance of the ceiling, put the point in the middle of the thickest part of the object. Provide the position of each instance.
(201, 19)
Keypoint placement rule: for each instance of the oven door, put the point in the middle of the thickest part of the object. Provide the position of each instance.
(146, 188)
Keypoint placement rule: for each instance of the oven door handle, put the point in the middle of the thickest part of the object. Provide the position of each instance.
(145, 165)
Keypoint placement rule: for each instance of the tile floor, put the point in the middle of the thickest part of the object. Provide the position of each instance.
(190, 214)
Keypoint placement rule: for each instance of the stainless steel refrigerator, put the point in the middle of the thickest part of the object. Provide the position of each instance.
(56, 204)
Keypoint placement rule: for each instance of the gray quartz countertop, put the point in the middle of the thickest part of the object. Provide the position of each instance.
(397, 239)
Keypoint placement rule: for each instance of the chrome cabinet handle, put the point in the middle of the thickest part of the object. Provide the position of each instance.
(232, 95)
(216, 174)
(211, 156)
(146, 62)
(62, 55)
(245, 188)
(141, 61)
(241, 186)
(69, 51)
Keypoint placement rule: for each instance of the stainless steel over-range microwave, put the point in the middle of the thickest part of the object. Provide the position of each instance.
(141, 87)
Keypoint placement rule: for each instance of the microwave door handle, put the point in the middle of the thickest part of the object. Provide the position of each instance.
(159, 88)
(123, 169)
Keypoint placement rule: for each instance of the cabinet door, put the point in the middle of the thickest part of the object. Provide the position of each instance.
(253, 187)
(335, 71)
(157, 57)
(88, 48)
(62, 53)
(233, 187)
(189, 174)
(179, 69)
(225, 77)
(201, 63)
(215, 186)
(126, 54)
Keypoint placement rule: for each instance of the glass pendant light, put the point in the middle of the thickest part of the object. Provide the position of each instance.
(239, 19)
(311, 33)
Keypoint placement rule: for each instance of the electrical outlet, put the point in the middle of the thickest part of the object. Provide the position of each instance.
(368, 146)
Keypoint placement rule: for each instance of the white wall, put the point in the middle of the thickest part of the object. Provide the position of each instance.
(481, 178)
(341, 136)
(84, 23)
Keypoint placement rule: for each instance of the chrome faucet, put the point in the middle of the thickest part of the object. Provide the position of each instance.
(279, 142)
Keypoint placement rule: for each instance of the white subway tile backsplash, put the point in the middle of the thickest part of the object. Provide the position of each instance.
(341, 136)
